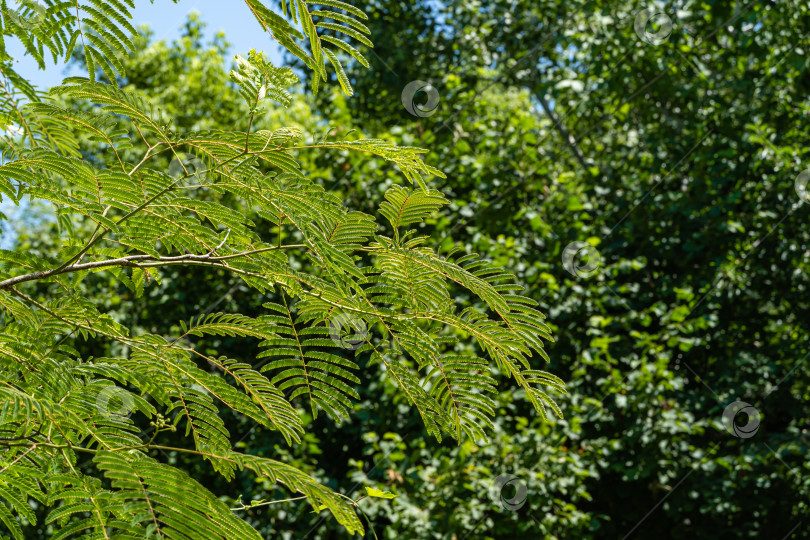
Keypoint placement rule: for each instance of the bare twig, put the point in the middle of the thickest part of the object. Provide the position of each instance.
(142, 261)
(564, 133)
(227, 234)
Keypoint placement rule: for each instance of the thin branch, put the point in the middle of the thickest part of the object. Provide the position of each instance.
(18, 458)
(256, 505)
(227, 234)
(97, 237)
(247, 136)
(23, 437)
(564, 133)
(143, 261)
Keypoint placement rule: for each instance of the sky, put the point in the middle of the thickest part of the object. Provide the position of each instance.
(166, 18)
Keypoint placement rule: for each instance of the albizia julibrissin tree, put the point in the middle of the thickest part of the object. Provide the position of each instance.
(123, 215)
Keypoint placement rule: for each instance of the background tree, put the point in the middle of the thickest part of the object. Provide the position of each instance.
(670, 140)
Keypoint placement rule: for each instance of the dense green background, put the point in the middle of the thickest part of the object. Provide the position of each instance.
(557, 122)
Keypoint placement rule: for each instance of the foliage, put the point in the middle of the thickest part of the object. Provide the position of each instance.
(642, 435)
(679, 162)
(229, 202)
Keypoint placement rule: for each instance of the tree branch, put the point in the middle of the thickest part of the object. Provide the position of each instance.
(142, 261)
(97, 237)
(564, 133)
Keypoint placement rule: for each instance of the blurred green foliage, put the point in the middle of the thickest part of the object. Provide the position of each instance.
(677, 159)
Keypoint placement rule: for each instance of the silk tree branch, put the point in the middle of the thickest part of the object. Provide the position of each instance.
(174, 185)
(143, 261)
